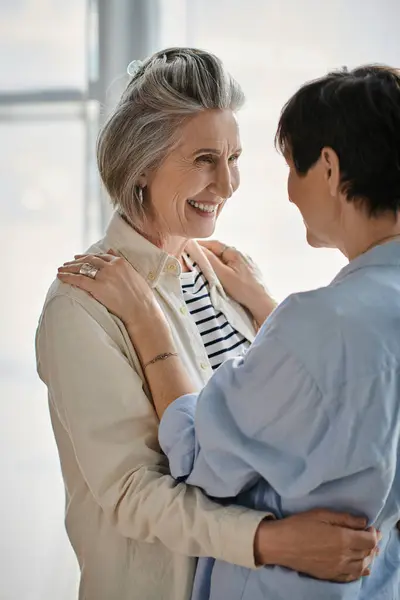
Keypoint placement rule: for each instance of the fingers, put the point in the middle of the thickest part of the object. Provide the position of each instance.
(352, 522)
(82, 281)
(94, 260)
(360, 538)
(340, 519)
(89, 258)
(364, 540)
(105, 256)
(361, 568)
(74, 269)
(247, 259)
(230, 254)
(219, 249)
(355, 569)
(70, 268)
(216, 263)
(213, 246)
(224, 252)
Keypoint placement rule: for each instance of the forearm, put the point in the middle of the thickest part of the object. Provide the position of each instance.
(261, 308)
(167, 379)
(154, 507)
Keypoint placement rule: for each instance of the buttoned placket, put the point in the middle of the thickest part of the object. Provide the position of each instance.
(173, 272)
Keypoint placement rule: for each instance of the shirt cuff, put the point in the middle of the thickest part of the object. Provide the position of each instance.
(238, 531)
(186, 403)
(177, 413)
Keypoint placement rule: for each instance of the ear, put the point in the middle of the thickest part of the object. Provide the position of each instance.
(143, 180)
(331, 166)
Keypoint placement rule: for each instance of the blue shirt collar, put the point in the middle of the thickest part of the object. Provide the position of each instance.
(384, 255)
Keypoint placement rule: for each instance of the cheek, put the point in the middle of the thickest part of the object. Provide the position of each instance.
(297, 192)
(194, 182)
(291, 188)
(235, 179)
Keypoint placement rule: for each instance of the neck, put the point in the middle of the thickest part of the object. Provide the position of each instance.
(363, 233)
(173, 245)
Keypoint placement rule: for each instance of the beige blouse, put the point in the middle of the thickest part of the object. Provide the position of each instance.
(134, 529)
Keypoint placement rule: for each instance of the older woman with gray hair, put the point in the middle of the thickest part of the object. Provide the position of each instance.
(168, 156)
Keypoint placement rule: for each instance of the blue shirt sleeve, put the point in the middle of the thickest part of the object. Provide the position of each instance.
(177, 436)
(286, 414)
(242, 424)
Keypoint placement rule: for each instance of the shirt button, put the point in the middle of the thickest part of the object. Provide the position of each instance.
(183, 310)
(151, 276)
(172, 268)
(204, 366)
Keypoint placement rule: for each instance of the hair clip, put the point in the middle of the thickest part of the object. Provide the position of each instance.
(134, 67)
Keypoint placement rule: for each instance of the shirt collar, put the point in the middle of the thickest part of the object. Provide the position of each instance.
(152, 262)
(385, 255)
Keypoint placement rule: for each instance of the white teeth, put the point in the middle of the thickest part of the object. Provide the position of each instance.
(209, 208)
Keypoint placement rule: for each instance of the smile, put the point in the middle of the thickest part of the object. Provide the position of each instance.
(207, 208)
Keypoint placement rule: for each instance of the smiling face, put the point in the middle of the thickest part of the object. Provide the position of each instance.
(188, 190)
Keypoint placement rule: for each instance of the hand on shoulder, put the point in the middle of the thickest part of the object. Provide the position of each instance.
(241, 278)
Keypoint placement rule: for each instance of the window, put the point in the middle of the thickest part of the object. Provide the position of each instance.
(42, 219)
(42, 44)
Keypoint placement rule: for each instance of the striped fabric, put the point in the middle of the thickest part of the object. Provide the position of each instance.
(220, 340)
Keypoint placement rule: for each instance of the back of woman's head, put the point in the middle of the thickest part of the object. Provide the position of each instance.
(167, 89)
(357, 114)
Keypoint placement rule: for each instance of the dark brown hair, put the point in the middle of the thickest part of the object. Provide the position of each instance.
(357, 114)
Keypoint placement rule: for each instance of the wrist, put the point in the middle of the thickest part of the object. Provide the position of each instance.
(261, 310)
(270, 543)
(147, 315)
(150, 337)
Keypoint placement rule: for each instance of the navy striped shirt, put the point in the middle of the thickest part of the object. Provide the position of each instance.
(220, 339)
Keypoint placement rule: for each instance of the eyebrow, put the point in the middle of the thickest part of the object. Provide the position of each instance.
(211, 151)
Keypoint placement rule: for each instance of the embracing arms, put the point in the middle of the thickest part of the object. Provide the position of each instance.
(127, 295)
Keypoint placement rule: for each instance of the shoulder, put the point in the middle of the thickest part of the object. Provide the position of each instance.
(303, 313)
(309, 327)
(71, 318)
(336, 332)
(76, 329)
(65, 300)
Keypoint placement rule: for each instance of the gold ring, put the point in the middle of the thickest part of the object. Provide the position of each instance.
(88, 270)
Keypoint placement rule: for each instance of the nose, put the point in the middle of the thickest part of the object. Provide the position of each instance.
(222, 184)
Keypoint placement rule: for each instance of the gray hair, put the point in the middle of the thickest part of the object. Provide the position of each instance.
(170, 87)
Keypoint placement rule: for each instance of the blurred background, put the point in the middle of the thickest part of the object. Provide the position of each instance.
(62, 65)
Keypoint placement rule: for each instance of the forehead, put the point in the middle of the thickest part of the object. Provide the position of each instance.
(217, 129)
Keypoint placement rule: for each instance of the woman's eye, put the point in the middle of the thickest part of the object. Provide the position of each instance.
(205, 158)
(209, 159)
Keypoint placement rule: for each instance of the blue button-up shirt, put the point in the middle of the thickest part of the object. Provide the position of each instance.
(310, 417)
